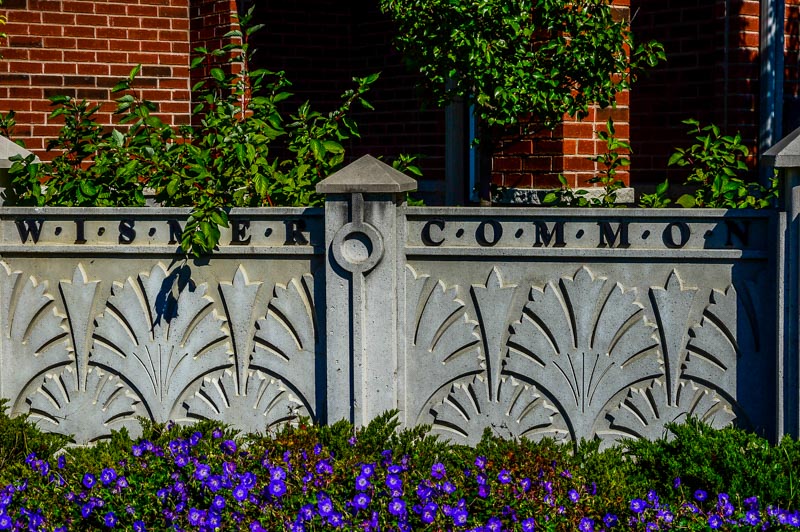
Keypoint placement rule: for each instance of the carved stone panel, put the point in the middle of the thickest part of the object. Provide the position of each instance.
(582, 356)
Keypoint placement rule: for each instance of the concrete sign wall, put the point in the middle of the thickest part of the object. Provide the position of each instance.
(532, 322)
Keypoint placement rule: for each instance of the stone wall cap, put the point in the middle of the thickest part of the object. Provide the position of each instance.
(786, 153)
(366, 175)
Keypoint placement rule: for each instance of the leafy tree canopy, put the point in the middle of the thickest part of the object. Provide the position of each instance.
(515, 59)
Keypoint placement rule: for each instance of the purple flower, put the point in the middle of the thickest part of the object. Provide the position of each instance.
(277, 488)
(424, 492)
(61, 462)
(181, 460)
(393, 482)
(89, 481)
(110, 520)
(5, 521)
(574, 496)
(480, 462)
(676, 483)
(367, 470)
(460, 517)
(638, 506)
(714, 522)
(335, 519)
(504, 476)
(362, 483)
(700, 495)
(107, 476)
(586, 525)
(214, 483)
(277, 473)
(361, 501)
(483, 491)
(138, 526)
(122, 482)
(448, 487)
(202, 471)
(752, 517)
(397, 507)
(218, 502)
(494, 524)
(195, 516)
(306, 512)
(228, 446)
(240, 493)
(438, 471)
(216, 434)
(429, 513)
(324, 505)
(610, 520)
(529, 525)
(255, 526)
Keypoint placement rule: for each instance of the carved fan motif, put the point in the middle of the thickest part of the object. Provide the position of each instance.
(518, 411)
(583, 341)
(90, 413)
(273, 379)
(31, 324)
(645, 411)
(267, 404)
(158, 342)
(444, 347)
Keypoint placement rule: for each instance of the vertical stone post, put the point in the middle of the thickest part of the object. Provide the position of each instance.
(361, 278)
(785, 156)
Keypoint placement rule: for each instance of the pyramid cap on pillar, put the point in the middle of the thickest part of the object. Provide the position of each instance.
(366, 175)
(8, 149)
(786, 153)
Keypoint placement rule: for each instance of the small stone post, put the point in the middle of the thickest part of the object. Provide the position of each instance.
(785, 156)
(361, 275)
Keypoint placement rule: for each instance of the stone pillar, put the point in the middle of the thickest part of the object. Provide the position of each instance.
(361, 275)
(785, 156)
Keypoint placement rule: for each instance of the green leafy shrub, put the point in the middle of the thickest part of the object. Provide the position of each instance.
(19, 438)
(727, 460)
(715, 162)
(208, 477)
(521, 63)
(242, 150)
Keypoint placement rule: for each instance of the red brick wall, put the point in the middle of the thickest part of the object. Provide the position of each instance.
(536, 161)
(82, 49)
(711, 75)
(209, 21)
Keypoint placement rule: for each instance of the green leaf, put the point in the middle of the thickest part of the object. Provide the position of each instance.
(172, 187)
(318, 149)
(687, 201)
(218, 74)
(88, 188)
(118, 138)
(675, 158)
